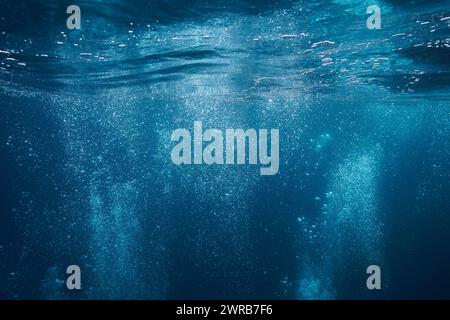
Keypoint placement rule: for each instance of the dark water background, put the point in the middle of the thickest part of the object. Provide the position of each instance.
(86, 176)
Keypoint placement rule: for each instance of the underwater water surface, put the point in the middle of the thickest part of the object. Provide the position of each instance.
(86, 176)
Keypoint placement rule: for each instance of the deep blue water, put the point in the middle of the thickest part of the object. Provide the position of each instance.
(86, 175)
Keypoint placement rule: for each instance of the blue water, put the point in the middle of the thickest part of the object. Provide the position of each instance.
(86, 176)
